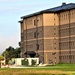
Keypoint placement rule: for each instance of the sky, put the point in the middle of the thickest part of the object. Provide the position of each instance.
(10, 13)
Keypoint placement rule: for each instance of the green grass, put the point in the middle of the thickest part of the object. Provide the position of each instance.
(59, 69)
(63, 67)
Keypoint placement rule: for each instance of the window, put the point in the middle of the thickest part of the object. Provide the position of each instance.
(72, 43)
(64, 16)
(54, 33)
(29, 21)
(35, 22)
(63, 57)
(30, 34)
(37, 45)
(67, 56)
(54, 28)
(54, 43)
(72, 14)
(59, 57)
(54, 47)
(73, 56)
(34, 34)
(73, 29)
(30, 46)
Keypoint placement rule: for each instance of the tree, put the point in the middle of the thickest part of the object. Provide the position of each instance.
(17, 51)
(1, 58)
(10, 53)
(19, 44)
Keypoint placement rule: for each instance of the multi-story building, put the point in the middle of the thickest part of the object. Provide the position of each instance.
(49, 35)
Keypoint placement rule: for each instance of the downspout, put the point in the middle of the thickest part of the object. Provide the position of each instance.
(26, 37)
(43, 36)
(54, 41)
(59, 40)
(36, 35)
(69, 38)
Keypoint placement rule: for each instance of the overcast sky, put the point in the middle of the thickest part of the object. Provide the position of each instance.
(10, 13)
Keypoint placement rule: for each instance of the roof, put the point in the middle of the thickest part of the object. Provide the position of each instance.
(21, 21)
(58, 9)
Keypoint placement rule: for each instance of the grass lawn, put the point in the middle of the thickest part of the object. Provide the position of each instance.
(60, 69)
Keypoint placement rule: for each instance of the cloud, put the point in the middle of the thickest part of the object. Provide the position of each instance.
(5, 42)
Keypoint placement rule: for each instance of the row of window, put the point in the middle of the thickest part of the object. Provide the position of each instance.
(30, 35)
(66, 16)
(30, 46)
(64, 31)
(66, 57)
(63, 17)
(67, 29)
(65, 26)
(71, 43)
(29, 22)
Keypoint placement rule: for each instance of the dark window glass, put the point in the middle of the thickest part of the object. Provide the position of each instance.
(54, 43)
(73, 56)
(63, 57)
(54, 47)
(54, 28)
(37, 46)
(54, 33)
(35, 22)
(34, 34)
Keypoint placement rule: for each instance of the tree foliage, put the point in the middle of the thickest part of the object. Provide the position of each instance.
(1, 57)
(10, 52)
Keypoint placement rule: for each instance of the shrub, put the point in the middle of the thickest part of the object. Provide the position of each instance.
(25, 62)
(33, 62)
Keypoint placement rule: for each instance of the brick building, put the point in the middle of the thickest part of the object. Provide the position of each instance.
(49, 34)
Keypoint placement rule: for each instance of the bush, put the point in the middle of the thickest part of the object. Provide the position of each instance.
(33, 62)
(25, 62)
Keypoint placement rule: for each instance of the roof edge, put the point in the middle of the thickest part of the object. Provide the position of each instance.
(21, 21)
(48, 11)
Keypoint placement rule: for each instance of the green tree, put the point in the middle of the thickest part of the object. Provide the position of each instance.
(17, 51)
(10, 52)
(19, 44)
